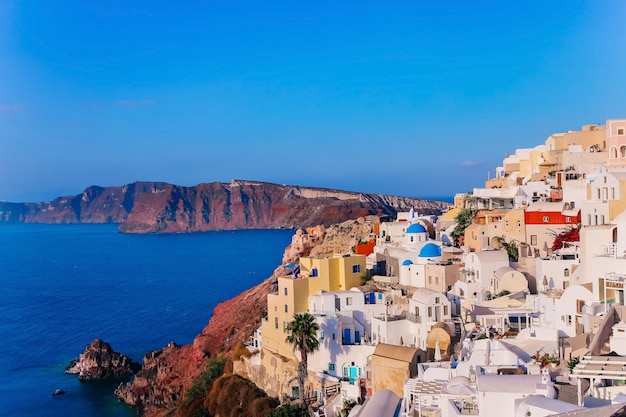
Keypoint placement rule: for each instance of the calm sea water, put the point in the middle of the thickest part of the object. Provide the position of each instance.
(61, 286)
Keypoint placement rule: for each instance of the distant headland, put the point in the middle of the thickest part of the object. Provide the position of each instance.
(158, 207)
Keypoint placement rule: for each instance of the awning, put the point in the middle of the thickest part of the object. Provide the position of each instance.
(482, 311)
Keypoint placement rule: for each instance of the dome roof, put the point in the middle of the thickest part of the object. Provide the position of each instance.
(407, 262)
(416, 228)
(430, 250)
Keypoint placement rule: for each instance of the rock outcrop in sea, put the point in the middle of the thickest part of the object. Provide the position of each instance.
(100, 361)
(156, 207)
(159, 388)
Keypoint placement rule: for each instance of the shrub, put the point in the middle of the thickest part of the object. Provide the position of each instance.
(289, 411)
(214, 370)
(571, 364)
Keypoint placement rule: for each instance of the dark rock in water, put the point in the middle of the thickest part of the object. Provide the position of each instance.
(99, 361)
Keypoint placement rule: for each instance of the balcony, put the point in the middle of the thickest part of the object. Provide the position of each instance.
(414, 318)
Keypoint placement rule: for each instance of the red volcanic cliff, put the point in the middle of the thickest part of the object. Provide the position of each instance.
(160, 387)
(151, 207)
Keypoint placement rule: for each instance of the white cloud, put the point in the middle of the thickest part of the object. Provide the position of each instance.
(470, 163)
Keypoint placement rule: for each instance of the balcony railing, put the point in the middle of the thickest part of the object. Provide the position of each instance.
(414, 318)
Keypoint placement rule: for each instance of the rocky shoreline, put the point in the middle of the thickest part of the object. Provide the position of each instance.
(99, 361)
(158, 389)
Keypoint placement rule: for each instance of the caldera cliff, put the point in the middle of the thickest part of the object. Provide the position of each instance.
(156, 207)
(159, 388)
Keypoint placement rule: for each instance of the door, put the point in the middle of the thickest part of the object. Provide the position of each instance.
(357, 336)
(346, 337)
(353, 375)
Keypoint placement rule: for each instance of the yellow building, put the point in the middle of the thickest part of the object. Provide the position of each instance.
(317, 273)
(513, 226)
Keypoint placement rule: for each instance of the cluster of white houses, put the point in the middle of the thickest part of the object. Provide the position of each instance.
(445, 330)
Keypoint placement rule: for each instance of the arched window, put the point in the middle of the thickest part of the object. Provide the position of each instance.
(622, 151)
(566, 272)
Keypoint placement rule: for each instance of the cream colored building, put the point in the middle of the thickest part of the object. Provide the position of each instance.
(317, 273)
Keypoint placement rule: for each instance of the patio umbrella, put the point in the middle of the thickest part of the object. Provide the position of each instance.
(437, 352)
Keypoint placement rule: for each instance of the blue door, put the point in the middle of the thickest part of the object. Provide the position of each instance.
(353, 374)
(357, 336)
(346, 337)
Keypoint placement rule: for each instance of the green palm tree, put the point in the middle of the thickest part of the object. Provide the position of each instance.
(303, 336)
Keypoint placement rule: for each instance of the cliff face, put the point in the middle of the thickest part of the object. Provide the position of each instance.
(160, 387)
(149, 207)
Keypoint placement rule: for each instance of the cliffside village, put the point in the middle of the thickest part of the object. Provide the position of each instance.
(521, 314)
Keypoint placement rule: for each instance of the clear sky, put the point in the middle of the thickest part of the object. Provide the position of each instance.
(413, 98)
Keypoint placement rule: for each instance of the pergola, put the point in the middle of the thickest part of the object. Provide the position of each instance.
(598, 367)
(417, 390)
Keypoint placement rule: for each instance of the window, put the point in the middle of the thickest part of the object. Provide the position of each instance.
(430, 311)
(356, 269)
(568, 219)
(533, 239)
(519, 223)
(430, 280)
(568, 320)
(331, 367)
(411, 238)
(612, 193)
(314, 272)
(620, 131)
(286, 308)
(445, 310)
(333, 336)
(285, 290)
(546, 219)
(322, 335)
(437, 300)
(348, 301)
(566, 272)
(276, 322)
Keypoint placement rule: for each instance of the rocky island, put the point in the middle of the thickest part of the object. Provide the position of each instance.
(100, 361)
(157, 207)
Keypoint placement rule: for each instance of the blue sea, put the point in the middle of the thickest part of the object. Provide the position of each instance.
(61, 286)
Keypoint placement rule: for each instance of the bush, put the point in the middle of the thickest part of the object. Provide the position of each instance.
(234, 396)
(571, 364)
(214, 370)
(289, 411)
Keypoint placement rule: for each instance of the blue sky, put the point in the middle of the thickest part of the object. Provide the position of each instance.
(414, 98)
